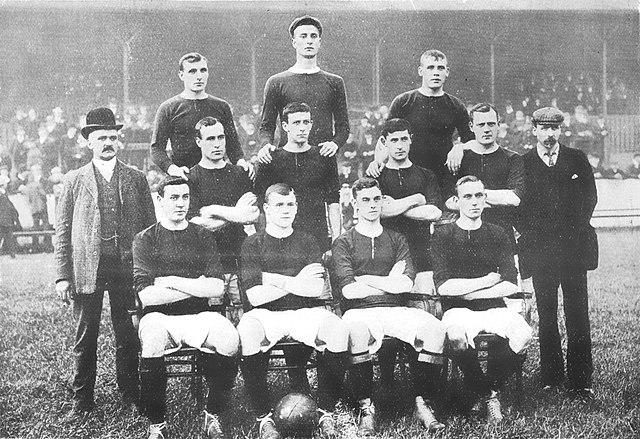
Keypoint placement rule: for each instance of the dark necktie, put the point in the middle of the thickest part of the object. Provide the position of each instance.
(552, 158)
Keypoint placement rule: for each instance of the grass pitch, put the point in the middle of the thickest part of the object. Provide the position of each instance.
(36, 366)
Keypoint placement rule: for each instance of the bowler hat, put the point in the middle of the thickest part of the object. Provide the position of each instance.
(99, 119)
(547, 116)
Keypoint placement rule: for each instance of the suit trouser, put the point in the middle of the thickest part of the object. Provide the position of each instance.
(87, 309)
(8, 240)
(576, 309)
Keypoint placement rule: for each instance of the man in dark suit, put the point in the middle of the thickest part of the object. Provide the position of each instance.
(102, 207)
(8, 218)
(557, 247)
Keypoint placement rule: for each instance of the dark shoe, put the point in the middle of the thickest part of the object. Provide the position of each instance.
(158, 431)
(212, 426)
(584, 394)
(367, 420)
(327, 425)
(268, 428)
(425, 415)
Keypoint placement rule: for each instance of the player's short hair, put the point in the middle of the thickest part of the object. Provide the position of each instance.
(467, 179)
(305, 20)
(483, 107)
(294, 107)
(278, 188)
(395, 125)
(206, 122)
(636, 154)
(363, 183)
(432, 53)
(171, 180)
(190, 58)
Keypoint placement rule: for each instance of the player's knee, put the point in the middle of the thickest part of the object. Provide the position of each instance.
(224, 338)
(358, 337)
(154, 337)
(456, 339)
(251, 334)
(334, 333)
(431, 335)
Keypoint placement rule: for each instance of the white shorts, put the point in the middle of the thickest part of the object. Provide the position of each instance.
(500, 321)
(402, 323)
(301, 325)
(190, 330)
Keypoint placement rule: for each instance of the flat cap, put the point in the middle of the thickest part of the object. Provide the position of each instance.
(305, 20)
(547, 116)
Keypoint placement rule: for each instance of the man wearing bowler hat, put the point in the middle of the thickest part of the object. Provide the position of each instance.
(557, 247)
(102, 207)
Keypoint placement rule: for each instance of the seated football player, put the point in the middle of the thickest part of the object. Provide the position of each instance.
(374, 273)
(177, 271)
(473, 270)
(283, 281)
(411, 202)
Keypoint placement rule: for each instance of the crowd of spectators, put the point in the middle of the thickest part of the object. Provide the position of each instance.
(42, 146)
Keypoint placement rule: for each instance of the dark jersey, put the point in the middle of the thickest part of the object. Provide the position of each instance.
(433, 121)
(222, 187)
(400, 183)
(322, 91)
(176, 120)
(466, 254)
(263, 253)
(355, 255)
(501, 169)
(314, 179)
(190, 253)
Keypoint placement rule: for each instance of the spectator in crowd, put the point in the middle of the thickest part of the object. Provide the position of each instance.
(9, 221)
(614, 172)
(634, 168)
(597, 169)
(36, 191)
(249, 137)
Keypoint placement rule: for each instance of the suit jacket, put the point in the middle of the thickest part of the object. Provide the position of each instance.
(8, 212)
(78, 223)
(576, 239)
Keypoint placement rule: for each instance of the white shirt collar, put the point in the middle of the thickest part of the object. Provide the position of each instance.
(106, 167)
(542, 153)
(299, 71)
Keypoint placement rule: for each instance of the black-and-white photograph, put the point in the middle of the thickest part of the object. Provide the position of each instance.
(329, 219)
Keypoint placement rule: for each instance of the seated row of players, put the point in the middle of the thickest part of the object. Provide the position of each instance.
(177, 271)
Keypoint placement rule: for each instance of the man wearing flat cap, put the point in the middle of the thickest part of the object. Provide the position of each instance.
(102, 207)
(557, 247)
(305, 82)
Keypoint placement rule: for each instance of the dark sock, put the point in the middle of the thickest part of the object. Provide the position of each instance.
(474, 378)
(220, 372)
(298, 356)
(361, 375)
(331, 369)
(153, 389)
(387, 355)
(427, 379)
(254, 372)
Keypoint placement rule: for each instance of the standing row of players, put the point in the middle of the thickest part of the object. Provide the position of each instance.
(472, 261)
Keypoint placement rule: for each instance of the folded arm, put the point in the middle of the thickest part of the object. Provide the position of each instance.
(205, 287)
(502, 289)
(360, 290)
(502, 197)
(428, 212)
(461, 287)
(309, 282)
(392, 284)
(392, 207)
(261, 294)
